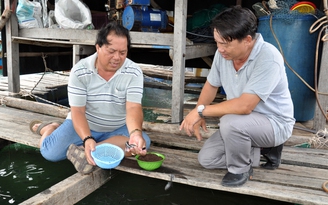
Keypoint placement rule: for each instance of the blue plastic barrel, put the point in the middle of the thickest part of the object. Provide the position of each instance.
(298, 46)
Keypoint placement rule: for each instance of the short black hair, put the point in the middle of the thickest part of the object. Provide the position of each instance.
(115, 28)
(235, 23)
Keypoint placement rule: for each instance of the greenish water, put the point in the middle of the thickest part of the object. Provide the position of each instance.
(154, 97)
(160, 98)
(25, 173)
(129, 189)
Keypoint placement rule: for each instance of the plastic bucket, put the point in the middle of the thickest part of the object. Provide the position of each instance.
(298, 46)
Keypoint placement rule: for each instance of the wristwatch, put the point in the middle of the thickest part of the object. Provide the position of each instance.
(200, 109)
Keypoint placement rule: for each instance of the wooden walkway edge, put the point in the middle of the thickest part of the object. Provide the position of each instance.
(298, 180)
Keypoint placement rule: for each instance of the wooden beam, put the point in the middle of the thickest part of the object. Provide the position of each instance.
(200, 50)
(35, 106)
(197, 51)
(179, 48)
(72, 189)
(320, 119)
(89, 36)
(4, 18)
(79, 50)
(208, 61)
(12, 53)
(40, 54)
(45, 43)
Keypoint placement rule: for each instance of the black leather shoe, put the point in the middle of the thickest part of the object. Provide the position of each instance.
(273, 157)
(235, 180)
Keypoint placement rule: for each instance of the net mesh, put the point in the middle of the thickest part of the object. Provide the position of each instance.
(283, 11)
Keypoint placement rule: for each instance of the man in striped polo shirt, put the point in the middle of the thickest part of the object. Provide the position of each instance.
(105, 92)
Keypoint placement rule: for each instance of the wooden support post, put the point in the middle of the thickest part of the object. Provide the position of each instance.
(12, 53)
(319, 122)
(76, 54)
(179, 49)
(4, 18)
(79, 50)
(208, 61)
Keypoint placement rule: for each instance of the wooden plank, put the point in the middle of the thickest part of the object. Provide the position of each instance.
(61, 112)
(166, 73)
(46, 43)
(162, 86)
(320, 119)
(179, 48)
(80, 50)
(44, 82)
(59, 34)
(173, 140)
(200, 50)
(71, 190)
(305, 157)
(41, 54)
(88, 37)
(36, 106)
(5, 17)
(208, 61)
(197, 51)
(12, 52)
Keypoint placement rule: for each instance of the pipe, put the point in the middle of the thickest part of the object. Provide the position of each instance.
(305, 129)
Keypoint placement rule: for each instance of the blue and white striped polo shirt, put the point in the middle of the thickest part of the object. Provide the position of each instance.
(105, 101)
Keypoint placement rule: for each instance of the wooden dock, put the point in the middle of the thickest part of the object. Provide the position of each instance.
(298, 180)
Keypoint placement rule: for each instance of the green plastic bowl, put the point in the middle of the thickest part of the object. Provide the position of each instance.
(151, 165)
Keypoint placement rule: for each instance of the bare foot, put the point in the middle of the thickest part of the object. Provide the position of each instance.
(46, 128)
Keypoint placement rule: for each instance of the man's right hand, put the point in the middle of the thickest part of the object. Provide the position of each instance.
(200, 124)
(192, 123)
(88, 148)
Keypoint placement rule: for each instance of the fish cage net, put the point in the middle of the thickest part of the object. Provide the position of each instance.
(282, 10)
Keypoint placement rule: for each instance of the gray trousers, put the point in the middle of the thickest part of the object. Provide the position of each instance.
(236, 145)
